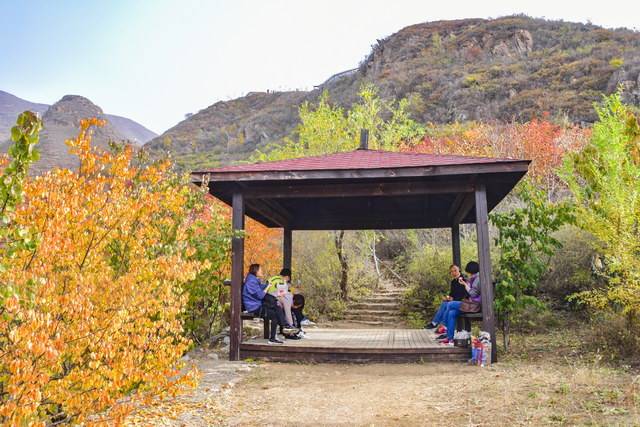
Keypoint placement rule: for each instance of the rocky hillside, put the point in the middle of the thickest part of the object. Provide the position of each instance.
(511, 68)
(61, 122)
(10, 107)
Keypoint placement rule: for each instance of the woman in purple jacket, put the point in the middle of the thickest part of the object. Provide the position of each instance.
(256, 301)
(473, 289)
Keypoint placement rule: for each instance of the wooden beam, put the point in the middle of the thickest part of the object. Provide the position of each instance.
(455, 206)
(265, 210)
(237, 272)
(464, 209)
(455, 244)
(484, 259)
(277, 208)
(357, 190)
(287, 240)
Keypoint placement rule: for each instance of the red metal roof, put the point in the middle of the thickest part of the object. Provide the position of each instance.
(359, 159)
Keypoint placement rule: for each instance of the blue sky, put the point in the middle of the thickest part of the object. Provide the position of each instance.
(155, 61)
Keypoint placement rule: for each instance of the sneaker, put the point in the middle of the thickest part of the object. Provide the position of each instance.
(447, 342)
(292, 337)
(289, 330)
(441, 337)
(431, 325)
(275, 341)
(306, 322)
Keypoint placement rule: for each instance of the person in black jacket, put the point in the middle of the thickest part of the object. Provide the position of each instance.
(457, 292)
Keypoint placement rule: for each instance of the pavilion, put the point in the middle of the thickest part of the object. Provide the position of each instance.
(363, 189)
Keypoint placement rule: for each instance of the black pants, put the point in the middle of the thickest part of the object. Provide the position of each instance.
(273, 313)
(297, 314)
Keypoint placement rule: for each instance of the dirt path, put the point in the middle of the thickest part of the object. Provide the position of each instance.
(428, 394)
(544, 381)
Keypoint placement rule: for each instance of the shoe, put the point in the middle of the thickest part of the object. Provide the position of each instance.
(306, 322)
(441, 337)
(431, 325)
(289, 330)
(293, 337)
(274, 341)
(447, 342)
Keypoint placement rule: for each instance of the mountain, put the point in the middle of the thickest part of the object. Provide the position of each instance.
(10, 107)
(506, 69)
(130, 130)
(61, 122)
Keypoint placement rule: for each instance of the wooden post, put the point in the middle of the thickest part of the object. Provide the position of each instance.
(237, 272)
(484, 259)
(455, 244)
(286, 247)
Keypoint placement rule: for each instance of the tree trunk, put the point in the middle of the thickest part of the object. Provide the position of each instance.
(506, 323)
(344, 267)
(376, 262)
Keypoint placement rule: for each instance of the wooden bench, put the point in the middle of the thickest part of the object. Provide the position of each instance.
(464, 320)
(245, 315)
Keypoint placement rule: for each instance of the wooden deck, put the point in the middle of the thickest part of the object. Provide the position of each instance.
(356, 345)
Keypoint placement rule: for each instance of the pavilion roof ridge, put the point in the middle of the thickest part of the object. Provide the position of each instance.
(359, 159)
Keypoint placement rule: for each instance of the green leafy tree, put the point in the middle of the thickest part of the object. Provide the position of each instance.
(604, 178)
(209, 237)
(526, 242)
(330, 129)
(25, 135)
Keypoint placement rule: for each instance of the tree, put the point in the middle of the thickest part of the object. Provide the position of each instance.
(603, 178)
(526, 244)
(329, 129)
(22, 153)
(91, 312)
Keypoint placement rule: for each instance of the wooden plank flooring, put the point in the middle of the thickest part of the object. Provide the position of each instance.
(356, 345)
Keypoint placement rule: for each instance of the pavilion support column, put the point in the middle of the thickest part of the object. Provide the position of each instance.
(455, 244)
(484, 259)
(287, 241)
(237, 271)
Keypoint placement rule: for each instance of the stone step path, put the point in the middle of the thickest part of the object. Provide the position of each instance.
(381, 309)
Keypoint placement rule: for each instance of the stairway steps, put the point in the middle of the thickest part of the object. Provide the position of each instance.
(373, 313)
(374, 306)
(380, 309)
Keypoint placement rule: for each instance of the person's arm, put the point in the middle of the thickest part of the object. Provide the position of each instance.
(255, 289)
(474, 291)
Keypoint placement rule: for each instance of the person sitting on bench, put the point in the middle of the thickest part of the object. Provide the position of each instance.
(457, 292)
(259, 303)
(279, 287)
(471, 304)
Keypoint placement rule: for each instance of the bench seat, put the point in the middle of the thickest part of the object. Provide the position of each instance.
(464, 320)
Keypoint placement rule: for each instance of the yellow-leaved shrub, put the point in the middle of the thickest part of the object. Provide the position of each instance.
(90, 323)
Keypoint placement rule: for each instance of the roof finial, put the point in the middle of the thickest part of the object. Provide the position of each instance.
(364, 139)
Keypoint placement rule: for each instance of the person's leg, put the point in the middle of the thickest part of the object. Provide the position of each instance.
(441, 314)
(279, 313)
(452, 315)
(297, 313)
(274, 327)
(286, 302)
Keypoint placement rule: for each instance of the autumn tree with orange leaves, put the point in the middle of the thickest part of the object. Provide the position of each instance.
(92, 269)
